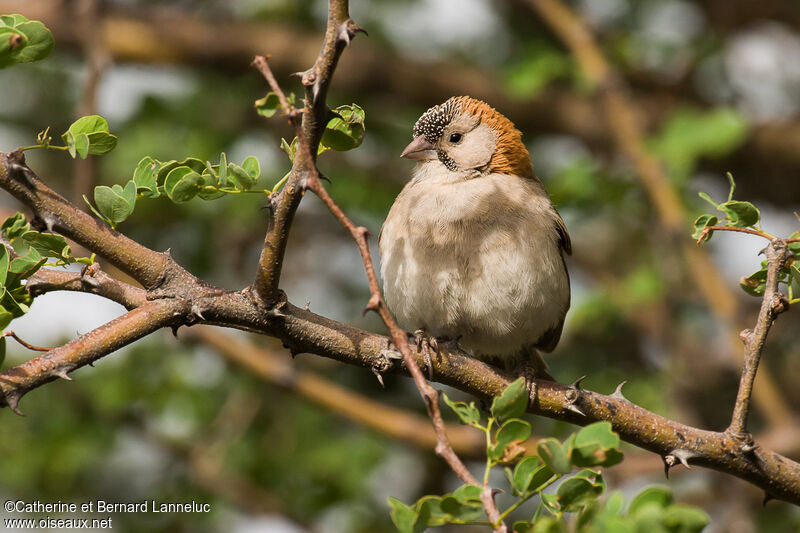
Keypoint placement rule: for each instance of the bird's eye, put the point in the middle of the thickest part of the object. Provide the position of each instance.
(455, 137)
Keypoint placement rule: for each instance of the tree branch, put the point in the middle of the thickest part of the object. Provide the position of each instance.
(55, 213)
(91, 279)
(772, 304)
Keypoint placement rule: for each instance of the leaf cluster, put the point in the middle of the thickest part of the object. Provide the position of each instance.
(575, 494)
(23, 40)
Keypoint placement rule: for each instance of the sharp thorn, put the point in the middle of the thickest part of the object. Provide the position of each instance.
(577, 383)
(574, 408)
(12, 400)
(196, 311)
(767, 498)
(61, 373)
(380, 377)
(175, 331)
(618, 392)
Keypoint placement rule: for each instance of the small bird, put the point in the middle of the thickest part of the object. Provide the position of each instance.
(472, 250)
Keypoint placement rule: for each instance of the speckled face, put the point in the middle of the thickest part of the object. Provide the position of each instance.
(432, 124)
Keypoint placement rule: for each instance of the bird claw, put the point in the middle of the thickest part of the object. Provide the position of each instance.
(427, 346)
(384, 361)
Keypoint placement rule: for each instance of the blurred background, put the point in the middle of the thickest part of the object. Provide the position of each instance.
(715, 88)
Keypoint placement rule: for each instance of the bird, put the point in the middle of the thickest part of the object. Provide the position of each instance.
(473, 250)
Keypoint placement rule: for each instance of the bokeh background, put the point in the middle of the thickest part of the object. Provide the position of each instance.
(715, 85)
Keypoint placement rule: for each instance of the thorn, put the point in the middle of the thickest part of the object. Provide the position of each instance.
(308, 77)
(748, 447)
(324, 177)
(618, 392)
(574, 408)
(379, 376)
(675, 456)
(49, 222)
(307, 307)
(12, 400)
(168, 252)
(196, 311)
(61, 373)
(90, 280)
(175, 331)
(744, 335)
(294, 353)
(296, 75)
(334, 114)
(767, 498)
(577, 383)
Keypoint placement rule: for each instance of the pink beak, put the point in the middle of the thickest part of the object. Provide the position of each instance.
(419, 149)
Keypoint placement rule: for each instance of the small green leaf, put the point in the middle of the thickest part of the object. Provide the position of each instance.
(685, 519)
(576, 492)
(429, 513)
(88, 124)
(101, 142)
(457, 510)
(347, 132)
(289, 149)
(270, 104)
(467, 414)
(222, 170)
(39, 42)
(756, 283)
(513, 401)
(514, 430)
(740, 214)
(252, 167)
(14, 226)
(24, 266)
(402, 515)
(554, 456)
(707, 198)
(596, 445)
(145, 177)
(659, 496)
(81, 145)
(468, 493)
(113, 203)
(182, 184)
(795, 246)
(240, 178)
(701, 223)
(5, 260)
(530, 475)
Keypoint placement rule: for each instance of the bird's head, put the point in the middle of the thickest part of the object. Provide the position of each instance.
(465, 134)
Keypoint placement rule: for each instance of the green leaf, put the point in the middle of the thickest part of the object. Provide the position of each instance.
(554, 456)
(795, 246)
(182, 184)
(530, 475)
(429, 513)
(222, 170)
(145, 177)
(576, 492)
(514, 430)
(252, 167)
(113, 203)
(740, 214)
(346, 131)
(48, 244)
(271, 103)
(101, 142)
(39, 42)
(756, 283)
(11, 44)
(685, 519)
(240, 178)
(14, 226)
(402, 515)
(3, 314)
(457, 510)
(701, 223)
(596, 445)
(513, 401)
(467, 414)
(24, 266)
(81, 145)
(707, 198)
(468, 493)
(659, 496)
(5, 260)
(289, 149)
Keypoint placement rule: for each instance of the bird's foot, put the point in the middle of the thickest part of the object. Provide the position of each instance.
(384, 361)
(531, 372)
(428, 346)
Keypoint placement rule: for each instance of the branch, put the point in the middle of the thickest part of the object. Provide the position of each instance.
(87, 348)
(57, 214)
(623, 120)
(772, 304)
(339, 32)
(91, 279)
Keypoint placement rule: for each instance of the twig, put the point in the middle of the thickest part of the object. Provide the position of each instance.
(25, 344)
(771, 305)
(623, 121)
(58, 362)
(91, 280)
(708, 229)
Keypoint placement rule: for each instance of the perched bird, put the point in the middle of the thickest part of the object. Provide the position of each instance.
(472, 249)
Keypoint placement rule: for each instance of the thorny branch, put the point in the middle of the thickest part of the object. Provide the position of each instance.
(173, 297)
(772, 304)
